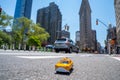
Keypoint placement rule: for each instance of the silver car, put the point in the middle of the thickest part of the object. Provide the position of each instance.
(65, 44)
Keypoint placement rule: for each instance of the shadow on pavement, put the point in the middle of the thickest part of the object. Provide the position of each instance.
(65, 73)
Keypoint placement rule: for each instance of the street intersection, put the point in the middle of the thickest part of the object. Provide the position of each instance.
(34, 65)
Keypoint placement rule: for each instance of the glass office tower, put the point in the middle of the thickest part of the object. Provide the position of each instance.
(23, 8)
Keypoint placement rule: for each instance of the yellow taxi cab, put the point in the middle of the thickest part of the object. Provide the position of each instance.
(64, 65)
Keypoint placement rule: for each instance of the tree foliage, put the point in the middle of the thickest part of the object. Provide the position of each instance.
(16, 36)
(20, 27)
(23, 31)
(29, 32)
(4, 38)
(5, 19)
(37, 35)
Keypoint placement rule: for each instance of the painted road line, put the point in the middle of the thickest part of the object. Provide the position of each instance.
(117, 58)
(86, 55)
(40, 57)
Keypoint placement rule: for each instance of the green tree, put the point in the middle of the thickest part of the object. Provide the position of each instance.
(4, 38)
(5, 20)
(20, 27)
(28, 32)
(16, 38)
(37, 35)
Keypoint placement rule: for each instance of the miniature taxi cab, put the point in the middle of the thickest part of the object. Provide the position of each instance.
(64, 65)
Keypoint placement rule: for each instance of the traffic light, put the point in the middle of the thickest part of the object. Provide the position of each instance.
(96, 21)
(0, 10)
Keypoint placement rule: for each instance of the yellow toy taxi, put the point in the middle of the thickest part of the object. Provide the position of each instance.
(64, 65)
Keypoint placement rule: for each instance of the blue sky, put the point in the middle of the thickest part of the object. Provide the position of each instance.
(101, 9)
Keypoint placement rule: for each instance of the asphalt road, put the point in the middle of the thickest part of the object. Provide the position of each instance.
(27, 65)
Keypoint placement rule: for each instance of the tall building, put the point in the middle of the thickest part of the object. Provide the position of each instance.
(77, 38)
(85, 25)
(111, 32)
(23, 9)
(94, 41)
(111, 39)
(117, 12)
(65, 33)
(99, 47)
(50, 19)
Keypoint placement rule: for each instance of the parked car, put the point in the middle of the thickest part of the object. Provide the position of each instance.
(64, 65)
(49, 47)
(65, 44)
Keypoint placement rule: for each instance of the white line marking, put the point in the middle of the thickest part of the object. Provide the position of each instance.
(86, 55)
(40, 57)
(117, 58)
